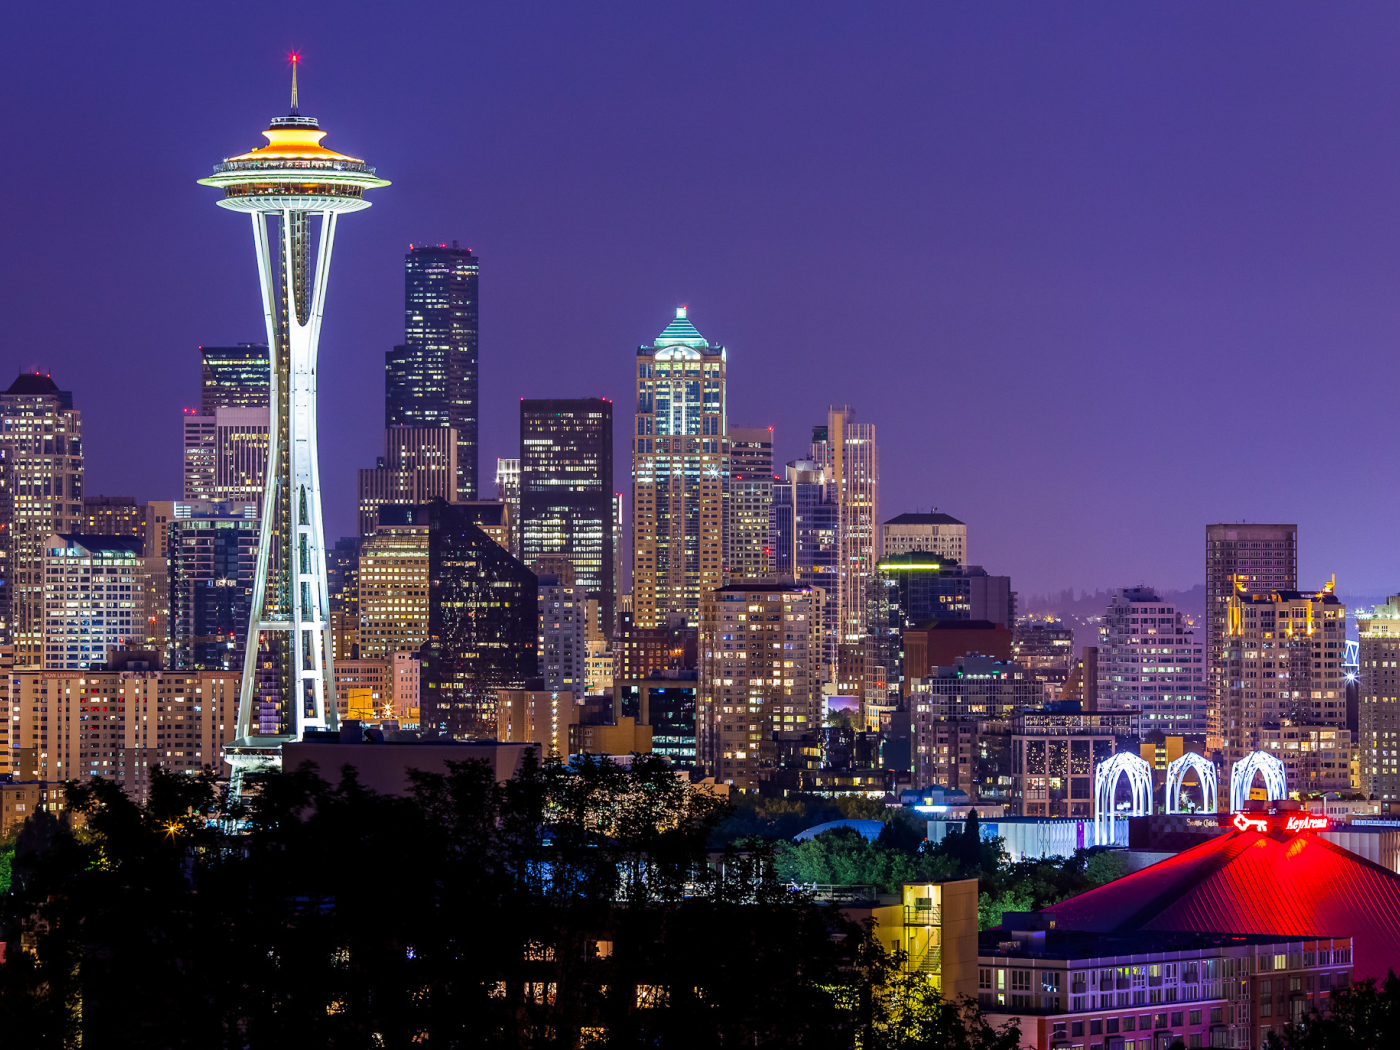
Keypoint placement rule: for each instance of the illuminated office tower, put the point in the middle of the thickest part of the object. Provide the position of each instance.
(284, 187)
(431, 380)
(680, 474)
(483, 624)
(419, 464)
(760, 679)
(1240, 559)
(233, 377)
(226, 454)
(1378, 707)
(41, 442)
(213, 550)
(393, 579)
(846, 452)
(566, 490)
(93, 601)
(750, 501)
(1281, 658)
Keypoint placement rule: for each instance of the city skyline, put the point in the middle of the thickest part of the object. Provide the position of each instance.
(1151, 244)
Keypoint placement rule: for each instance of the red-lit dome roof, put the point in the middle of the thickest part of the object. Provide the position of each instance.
(1255, 882)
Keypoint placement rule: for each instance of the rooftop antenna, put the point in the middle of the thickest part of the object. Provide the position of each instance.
(295, 60)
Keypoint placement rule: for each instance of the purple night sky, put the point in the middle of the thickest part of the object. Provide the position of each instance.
(1100, 273)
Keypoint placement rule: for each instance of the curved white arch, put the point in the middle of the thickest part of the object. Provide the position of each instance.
(1205, 771)
(1106, 775)
(1242, 775)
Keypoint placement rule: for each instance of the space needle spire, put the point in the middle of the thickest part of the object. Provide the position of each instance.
(288, 680)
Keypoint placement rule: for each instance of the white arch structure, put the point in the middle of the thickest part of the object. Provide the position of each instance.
(1242, 775)
(1205, 772)
(1106, 775)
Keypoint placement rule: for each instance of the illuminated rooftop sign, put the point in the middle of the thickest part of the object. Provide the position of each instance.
(1288, 822)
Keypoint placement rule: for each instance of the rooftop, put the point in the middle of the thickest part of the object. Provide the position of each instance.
(924, 519)
(104, 544)
(680, 332)
(1252, 882)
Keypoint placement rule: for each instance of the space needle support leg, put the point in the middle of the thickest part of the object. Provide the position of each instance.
(248, 686)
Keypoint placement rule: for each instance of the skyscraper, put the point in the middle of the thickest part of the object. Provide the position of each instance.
(566, 490)
(508, 492)
(1280, 663)
(419, 464)
(41, 440)
(846, 451)
(225, 453)
(804, 542)
(483, 624)
(233, 377)
(1240, 559)
(288, 677)
(431, 380)
(1150, 661)
(393, 577)
(562, 649)
(680, 474)
(750, 501)
(1378, 716)
(93, 602)
(213, 560)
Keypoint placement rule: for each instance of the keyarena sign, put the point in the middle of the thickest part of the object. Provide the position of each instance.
(1290, 823)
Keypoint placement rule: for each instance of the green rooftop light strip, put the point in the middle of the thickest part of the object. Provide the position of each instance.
(892, 565)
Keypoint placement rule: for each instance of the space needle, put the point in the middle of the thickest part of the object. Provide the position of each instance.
(288, 680)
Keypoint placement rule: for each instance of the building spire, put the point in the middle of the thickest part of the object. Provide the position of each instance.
(296, 59)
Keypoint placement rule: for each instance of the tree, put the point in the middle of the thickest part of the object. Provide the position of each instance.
(565, 903)
(1366, 1016)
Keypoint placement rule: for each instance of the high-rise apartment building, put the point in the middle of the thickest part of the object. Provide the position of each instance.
(419, 464)
(760, 676)
(940, 534)
(93, 601)
(847, 453)
(483, 625)
(41, 443)
(563, 647)
(225, 452)
(508, 492)
(77, 724)
(1241, 559)
(233, 377)
(566, 490)
(1281, 664)
(750, 501)
(1378, 716)
(431, 380)
(680, 474)
(213, 554)
(1151, 662)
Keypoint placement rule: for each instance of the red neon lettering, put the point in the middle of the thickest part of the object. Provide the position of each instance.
(1307, 823)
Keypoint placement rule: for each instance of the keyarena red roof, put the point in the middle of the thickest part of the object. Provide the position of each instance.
(1255, 882)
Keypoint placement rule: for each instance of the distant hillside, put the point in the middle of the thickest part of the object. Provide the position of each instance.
(1083, 612)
